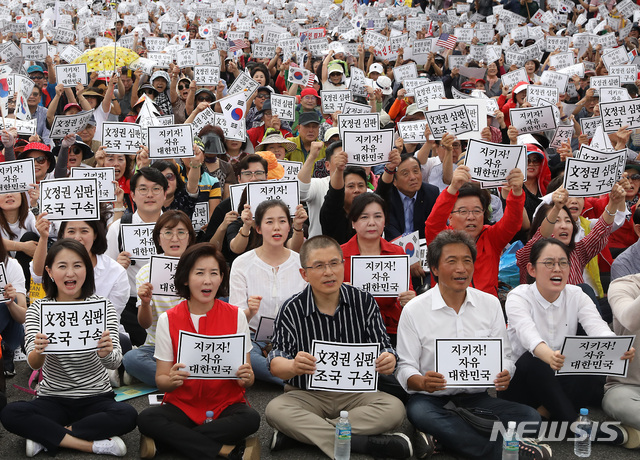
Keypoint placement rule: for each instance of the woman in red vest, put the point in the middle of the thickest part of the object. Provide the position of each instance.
(182, 423)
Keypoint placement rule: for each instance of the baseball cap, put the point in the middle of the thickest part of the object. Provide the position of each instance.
(376, 67)
(308, 117)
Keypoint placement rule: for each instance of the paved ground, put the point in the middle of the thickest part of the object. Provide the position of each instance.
(12, 447)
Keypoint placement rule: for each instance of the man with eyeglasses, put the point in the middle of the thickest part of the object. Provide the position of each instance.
(148, 192)
(330, 310)
(309, 102)
(465, 205)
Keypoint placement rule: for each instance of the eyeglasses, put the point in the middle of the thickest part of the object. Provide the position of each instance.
(37, 77)
(321, 267)
(145, 191)
(256, 174)
(309, 98)
(40, 160)
(204, 99)
(169, 234)
(170, 177)
(550, 263)
(465, 212)
(262, 96)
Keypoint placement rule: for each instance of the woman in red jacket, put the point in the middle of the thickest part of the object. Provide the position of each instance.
(181, 422)
(367, 217)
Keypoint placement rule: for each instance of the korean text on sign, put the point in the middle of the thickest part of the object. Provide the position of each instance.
(469, 362)
(368, 148)
(454, 120)
(489, 162)
(162, 273)
(211, 357)
(287, 191)
(16, 176)
(105, 178)
(344, 367)
(175, 141)
(590, 178)
(137, 239)
(121, 138)
(70, 199)
(73, 327)
(595, 355)
(381, 276)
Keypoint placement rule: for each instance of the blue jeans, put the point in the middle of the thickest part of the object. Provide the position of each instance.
(259, 363)
(12, 335)
(141, 364)
(426, 413)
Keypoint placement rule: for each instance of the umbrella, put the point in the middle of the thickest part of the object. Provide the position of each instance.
(103, 58)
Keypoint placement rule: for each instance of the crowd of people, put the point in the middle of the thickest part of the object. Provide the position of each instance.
(574, 256)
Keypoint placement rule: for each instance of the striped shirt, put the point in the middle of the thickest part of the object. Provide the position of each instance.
(77, 375)
(357, 319)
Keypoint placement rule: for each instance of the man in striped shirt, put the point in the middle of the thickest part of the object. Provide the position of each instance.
(329, 310)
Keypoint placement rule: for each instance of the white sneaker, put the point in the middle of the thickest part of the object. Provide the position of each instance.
(114, 378)
(112, 446)
(33, 448)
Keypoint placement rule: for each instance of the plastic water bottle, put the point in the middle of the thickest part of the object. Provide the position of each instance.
(342, 447)
(582, 447)
(209, 415)
(510, 443)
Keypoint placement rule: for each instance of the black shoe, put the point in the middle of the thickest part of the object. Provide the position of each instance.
(396, 445)
(530, 449)
(424, 445)
(621, 436)
(281, 441)
(9, 374)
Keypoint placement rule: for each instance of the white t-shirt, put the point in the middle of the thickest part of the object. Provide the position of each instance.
(29, 226)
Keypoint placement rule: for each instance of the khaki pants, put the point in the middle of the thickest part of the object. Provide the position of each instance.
(311, 416)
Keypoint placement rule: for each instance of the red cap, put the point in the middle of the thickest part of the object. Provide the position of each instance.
(468, 85)
(71, 105)
(309, 92)
(36, 146)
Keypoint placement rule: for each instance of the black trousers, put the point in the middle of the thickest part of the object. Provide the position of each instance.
(172, 429)
(44, 419)
(535, 384)
(129, 319)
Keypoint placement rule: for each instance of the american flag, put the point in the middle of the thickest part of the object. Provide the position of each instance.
(447, 41)
(236, 45)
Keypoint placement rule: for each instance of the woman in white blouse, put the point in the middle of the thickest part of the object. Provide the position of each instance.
(262, 279)
(540, 316)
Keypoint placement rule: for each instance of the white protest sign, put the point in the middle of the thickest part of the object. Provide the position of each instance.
(469, 362)
(410, 84)
(138, 240)
(557, 43)
(412, 132)
(411, 245)
(344, 367)
(513, 78)
(424, 93)
(200, 216)
(70, 54)
(69, 124)
(590, 178)
(533, 119)
(595, 355)
(604, 81)
(617, 114)
(557, 79)
(562, 135)
(576, 69)
(287, 191)
(614, 94)
(627, 73)
(588, 126)
(291, 169)
(121, 138)
(15, 176)
(561, 61)
(489, 162)
(333, 100)
(235, 195)
(367, 148)
(351, 107)
(187, 57)
(105, 177)
(381, 276)
(162, 273)
(25, 127)
(401, 73)
(283, 106)
(173, 141)
(34, 51)
(3, 281)
(476, 109)
(206, 75)
(453, 120)
(73, 327)
(69, 199)
(242, 82)
(535, 93)
(358, 122)
(156, 44)
(617, 56)
(211, 357)
(211, 58)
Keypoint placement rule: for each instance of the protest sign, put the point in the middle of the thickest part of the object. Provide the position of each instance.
(590, 178)
(235, 195)
(121, 138)
(211, 357)
(617, 56)
(206, 75)
(627, 73)
(589, 125)
(412, 132)
(424, 93)
(71, 74)
(351, 107)
(536, 92)
(264, 331)
(69, 124)
(489, 162)
(187, 58)
(243, 82)
(562, 135)
(70, 54)
(454, 120)
(200, 216)
(137, 239)
(604, 81)
(106, 180)
(344, 367)
(411, 245)
(476, 109)
(333, 100)
(162, 273)
(405, 71)
(557, 79)
(72, 327)
(367, 148)
(3, 281)
(410, 84)
(209, 58)
(469, 362)
(358, 122)
(287, 191)
(615, 115)
(533, 119)
(614, 94)
(595, 355)
(34, 51)
(381, 276)
(283, 106)
(174, 141)
(70, 199)
(291, 169)
(16, 176)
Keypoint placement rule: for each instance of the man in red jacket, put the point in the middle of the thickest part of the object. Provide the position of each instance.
(465, 206)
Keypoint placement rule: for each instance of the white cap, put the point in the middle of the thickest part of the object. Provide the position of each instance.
(376, 67)
(344, 414)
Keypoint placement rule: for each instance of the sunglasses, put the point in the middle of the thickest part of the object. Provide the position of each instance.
(40, 160)
(150, 92)
(37, 77)
(182, 87)
(204, 99)
(262, 96)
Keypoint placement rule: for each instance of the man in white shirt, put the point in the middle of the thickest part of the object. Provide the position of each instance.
(148, 192)
(452, 309)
